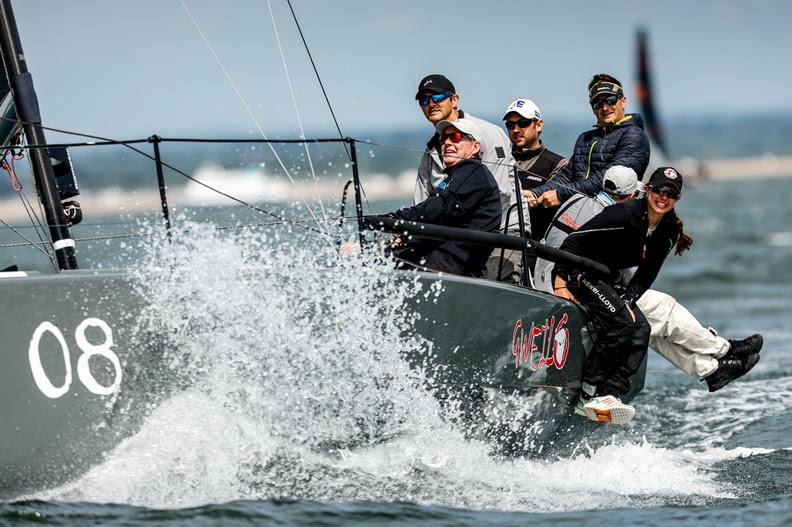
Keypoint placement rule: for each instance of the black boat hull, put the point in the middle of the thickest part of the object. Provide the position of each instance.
(81, 372)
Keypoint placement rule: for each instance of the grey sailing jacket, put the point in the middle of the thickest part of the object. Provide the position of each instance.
(572, 214)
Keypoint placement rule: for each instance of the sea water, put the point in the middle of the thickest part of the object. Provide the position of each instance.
(297, 407)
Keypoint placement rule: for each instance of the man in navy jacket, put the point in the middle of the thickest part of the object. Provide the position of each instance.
(617, 139)
(467, 198)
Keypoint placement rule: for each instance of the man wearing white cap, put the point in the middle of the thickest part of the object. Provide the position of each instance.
(468, 197)
(536, 164)
(675, 333)
(619, 183)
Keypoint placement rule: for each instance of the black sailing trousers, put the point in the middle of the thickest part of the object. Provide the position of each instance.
(620, 344)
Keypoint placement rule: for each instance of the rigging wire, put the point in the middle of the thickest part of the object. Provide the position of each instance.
(135, 235)
(30, 243)
(316, 72)
(324, 92)
(242, 100)
(296, 109)
(26, 205)
(127, 143)
(171, 167)
(489, 163)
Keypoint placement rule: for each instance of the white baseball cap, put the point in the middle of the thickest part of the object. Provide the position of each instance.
(620, 180)
(466, 126)
(525, 107)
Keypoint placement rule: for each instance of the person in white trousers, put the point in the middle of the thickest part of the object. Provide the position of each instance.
(675, 333)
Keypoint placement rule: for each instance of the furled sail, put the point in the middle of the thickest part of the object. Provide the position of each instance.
(8, 129)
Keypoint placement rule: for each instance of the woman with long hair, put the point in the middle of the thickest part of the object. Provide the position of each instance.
(638, 233)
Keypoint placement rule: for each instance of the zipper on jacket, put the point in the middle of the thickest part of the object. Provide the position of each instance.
(591, 151)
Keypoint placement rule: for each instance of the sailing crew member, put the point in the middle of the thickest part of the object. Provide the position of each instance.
(617, 139)
(675, 333)
(467, 198)
(439, 101)
(633, 233)
(535, 163)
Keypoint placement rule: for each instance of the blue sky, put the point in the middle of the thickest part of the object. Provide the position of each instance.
(131, 68)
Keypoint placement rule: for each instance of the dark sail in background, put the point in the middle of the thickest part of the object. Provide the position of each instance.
(645, 97)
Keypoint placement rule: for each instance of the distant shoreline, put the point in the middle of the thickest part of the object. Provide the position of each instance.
(381, 186)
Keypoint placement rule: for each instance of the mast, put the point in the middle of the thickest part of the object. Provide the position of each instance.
(27, 107)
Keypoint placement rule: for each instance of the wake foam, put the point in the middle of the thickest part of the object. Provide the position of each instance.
(291, 383)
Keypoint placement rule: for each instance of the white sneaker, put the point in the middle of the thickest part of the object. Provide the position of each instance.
(608, 409)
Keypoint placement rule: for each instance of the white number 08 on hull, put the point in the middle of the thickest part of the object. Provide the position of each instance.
(88, 349)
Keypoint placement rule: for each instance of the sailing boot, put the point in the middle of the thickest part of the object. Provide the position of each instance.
(730, 369)
(740, 349)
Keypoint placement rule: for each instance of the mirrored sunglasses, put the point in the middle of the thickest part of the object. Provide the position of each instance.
(520, 123)
(423, 100)
(610, 100)
(455, 137)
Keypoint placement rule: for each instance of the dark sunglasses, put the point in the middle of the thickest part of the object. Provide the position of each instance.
(668, 192)
(455, 137)
(610, 100)
(423, 100)
(520, 123)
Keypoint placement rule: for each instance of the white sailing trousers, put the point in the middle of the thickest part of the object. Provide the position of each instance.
(679, 337)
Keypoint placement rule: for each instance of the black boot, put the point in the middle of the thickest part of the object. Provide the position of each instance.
(740, 349)
(729, 370)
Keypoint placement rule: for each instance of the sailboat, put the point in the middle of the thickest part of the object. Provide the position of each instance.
(80, 371)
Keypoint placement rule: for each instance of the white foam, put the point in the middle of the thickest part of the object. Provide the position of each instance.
(188, 453)
(297, 387)
(720, 416)
(459, 473)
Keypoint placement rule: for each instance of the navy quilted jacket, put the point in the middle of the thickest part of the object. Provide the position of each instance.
(623, 143)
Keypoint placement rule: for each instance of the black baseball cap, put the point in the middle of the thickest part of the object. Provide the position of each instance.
(665, 177)
(435, 84)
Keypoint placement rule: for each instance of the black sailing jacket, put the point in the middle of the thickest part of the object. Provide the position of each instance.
(470, 199)
(623, 143)
(618, 237)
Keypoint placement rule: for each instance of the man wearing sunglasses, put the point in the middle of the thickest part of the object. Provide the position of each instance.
(438, 100)
(468, 198)
(536, 164)
(618, 138)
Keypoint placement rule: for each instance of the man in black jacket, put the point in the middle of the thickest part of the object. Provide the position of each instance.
(617, 139)
(467, 198)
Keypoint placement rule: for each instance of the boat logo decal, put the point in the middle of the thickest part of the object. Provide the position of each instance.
(545, 344)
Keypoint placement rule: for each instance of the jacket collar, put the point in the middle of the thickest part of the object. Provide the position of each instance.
(450, 170)
(521, 154)
(630, 119)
